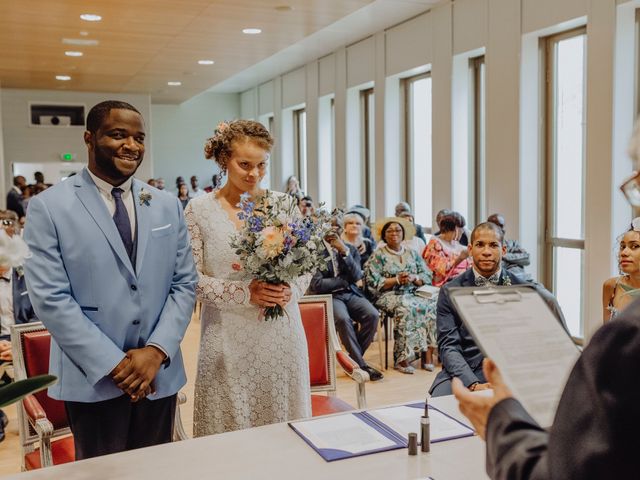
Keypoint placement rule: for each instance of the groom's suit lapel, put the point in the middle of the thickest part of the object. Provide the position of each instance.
(144, 222)
(89, 195)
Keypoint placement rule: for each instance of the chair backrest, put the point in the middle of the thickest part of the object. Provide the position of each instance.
(31, 344)
(317, 319)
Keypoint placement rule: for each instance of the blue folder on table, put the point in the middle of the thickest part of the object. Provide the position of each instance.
(361, 433)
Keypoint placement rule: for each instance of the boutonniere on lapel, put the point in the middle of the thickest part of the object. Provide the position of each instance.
(506, 280)
(19, 271)
(145, 197)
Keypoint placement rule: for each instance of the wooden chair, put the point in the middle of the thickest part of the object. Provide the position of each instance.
(45, 436)
(324, 350)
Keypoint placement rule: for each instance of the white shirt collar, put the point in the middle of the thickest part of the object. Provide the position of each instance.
(476, 274)
(106, 186)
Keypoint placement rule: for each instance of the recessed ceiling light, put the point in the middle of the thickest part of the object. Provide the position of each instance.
(252, 31)
(174, 84)
(206, 62)
(90, 17)
(80, 41)
(72, 53)
(63, 78)
(84, 33)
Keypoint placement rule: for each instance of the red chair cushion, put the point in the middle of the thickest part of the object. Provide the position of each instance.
(36, 346)
(314, 321)
(62, 451)
(326, 405)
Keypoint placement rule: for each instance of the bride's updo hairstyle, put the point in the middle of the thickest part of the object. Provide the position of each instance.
(220, 146)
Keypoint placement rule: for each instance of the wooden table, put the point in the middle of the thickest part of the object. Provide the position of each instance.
(276, 451)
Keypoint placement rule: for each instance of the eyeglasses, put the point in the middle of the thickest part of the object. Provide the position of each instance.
(631, 189)
(6, 222)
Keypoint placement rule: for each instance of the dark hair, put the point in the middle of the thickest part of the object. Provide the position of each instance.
(99, 112)
(385, 227)
(15, 179)
(220, 146)
(448, 222)
(39, 177)
(488, 226)
(460, 221)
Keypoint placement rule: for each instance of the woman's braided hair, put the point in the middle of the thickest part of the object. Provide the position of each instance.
(220, 145)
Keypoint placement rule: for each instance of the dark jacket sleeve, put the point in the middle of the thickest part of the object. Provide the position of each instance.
(594, 434)
(324, 282)
(450, 343)
(14, 204)
(516, 254)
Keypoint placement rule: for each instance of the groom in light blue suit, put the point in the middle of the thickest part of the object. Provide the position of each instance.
(112, 277)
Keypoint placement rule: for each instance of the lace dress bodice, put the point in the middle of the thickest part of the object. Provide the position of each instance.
(251, 372)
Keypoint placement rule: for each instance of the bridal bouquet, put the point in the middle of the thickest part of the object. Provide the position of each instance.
(278, 245)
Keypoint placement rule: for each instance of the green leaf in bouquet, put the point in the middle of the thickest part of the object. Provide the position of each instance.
(17, 390)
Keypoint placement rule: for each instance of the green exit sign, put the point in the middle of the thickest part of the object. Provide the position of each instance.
(67, 157)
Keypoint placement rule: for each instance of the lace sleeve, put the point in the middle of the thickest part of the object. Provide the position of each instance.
(299, 287)
(210, 290)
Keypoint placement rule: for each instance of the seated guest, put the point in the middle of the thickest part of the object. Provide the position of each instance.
(439, 216)
(404, 208)
(305, 205)
(516, 257)
(15, 306)
(14, 197)
(444, 255)
(392, 275)
(293, 187)
(183, 195)
(417, 243)
(461, 223)
(151, 182)
(160, 183)
(349, 305)
(460, 355)
(364, 214)
(620, 291)
(352, 235)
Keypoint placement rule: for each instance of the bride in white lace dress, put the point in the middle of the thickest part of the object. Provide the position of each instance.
(251, 372)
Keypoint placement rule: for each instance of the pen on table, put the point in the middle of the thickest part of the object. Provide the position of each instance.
(425, 429)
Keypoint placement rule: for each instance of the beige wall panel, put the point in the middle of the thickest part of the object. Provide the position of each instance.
(409, 45)
(293, 88)
(266, 98)
(539, 14)
(470, 19)
(327, 75)
(361, 62)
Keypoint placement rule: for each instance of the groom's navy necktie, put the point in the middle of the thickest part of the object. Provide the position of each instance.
(121, 219)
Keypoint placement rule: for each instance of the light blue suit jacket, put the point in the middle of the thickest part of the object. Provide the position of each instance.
(95, 304)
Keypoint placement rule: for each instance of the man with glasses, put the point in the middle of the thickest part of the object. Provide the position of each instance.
(595, 431)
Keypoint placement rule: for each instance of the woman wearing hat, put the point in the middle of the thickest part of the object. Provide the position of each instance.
(393, 274)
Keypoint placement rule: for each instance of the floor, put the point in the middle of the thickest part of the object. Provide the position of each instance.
(394, 388)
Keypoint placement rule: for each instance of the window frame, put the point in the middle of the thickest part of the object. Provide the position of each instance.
(477, 140)
(367, 138)
(300, 147)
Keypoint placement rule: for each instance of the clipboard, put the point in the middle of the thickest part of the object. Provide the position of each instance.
(516, 329)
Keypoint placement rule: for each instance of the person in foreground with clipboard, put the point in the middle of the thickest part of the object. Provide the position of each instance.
(595, 431)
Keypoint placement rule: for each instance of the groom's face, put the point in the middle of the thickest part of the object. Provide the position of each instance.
(116, 148)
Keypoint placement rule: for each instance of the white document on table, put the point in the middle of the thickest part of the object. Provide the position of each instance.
(516, 329)
(405, 419)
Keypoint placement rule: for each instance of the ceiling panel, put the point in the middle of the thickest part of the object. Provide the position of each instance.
(145, 43)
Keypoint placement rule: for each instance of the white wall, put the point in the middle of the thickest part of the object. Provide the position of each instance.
(180, 132)
(509, 33)
(24, 143)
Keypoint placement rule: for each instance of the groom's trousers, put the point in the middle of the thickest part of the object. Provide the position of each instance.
(116, 425)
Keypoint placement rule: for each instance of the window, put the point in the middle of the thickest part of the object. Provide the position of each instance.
(565, 137)
(417, 92)
(269, 122)
(368, 148)
(300, 146)
(477, 172)
(326, 149)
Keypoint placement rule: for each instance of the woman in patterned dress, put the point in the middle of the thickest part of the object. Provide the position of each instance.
(392, 275)
(251, 372)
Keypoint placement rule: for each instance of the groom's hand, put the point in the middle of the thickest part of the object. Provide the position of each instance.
(136, 375)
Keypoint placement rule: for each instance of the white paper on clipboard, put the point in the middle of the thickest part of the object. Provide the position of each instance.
(516, 329)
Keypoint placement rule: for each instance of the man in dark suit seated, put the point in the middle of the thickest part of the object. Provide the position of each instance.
(340, 280)
(459, 353)
(15, 198)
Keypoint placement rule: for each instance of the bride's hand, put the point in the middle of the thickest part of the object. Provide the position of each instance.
(268, 295)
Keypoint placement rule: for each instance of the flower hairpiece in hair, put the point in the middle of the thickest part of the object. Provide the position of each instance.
(635, 224)
(222, 126)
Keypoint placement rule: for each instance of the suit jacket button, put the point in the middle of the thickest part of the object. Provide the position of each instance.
(136, 322)
(134, 288)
